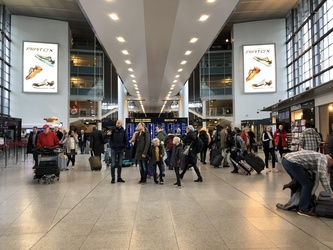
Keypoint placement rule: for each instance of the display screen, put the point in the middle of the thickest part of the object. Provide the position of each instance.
(259, 68)
(40, 67)
(170, 125)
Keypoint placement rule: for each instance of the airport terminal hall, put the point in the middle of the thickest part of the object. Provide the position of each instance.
(166, 124)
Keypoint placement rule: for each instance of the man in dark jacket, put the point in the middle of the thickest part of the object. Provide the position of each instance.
(118, 143)
(32, 141)
(191, 159)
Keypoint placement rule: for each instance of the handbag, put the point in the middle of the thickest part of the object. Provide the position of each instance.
(186, 149)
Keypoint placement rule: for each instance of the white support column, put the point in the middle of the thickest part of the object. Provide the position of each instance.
(122, 102)
(204, 113)
(183, 102)
(99, 114)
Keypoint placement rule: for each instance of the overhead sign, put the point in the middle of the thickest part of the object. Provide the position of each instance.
(259, 65)
(40, 67)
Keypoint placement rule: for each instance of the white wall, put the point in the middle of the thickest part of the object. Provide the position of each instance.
(253, 33)
(33, 107)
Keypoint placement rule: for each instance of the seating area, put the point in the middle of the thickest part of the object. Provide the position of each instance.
(84, 211)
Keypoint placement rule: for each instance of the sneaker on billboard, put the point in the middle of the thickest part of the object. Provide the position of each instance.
(46, 59)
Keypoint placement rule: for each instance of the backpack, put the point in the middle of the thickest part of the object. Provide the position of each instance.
(230, 141)
(204, 137)
(197, 146)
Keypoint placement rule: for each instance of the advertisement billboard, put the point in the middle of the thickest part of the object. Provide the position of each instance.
(259, 68)
(40, 67)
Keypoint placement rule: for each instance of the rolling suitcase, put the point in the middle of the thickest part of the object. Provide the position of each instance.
(255, 162)
(95, 162)
(62, 162)
(241, 164)
(217, 161)
(324, 206)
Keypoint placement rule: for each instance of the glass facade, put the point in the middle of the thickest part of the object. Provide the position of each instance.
(5, 43)
(216, 82)
(309, 45)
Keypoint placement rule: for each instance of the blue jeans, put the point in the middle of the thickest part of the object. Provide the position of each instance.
(116, 159)
(143, 169)
(297, 172)
(169, 153)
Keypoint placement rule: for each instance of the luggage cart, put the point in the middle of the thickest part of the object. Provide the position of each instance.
(48, 169)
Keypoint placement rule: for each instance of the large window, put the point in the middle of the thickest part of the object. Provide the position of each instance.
(4, 62)
(309, 45)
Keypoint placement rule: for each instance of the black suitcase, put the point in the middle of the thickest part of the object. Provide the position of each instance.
(255, 162)
(217, 161)
(324, 206)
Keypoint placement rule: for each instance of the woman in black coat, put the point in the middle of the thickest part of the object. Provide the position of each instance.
(269, 147)
(191, 158)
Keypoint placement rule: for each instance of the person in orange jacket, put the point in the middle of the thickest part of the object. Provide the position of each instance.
(280, 139)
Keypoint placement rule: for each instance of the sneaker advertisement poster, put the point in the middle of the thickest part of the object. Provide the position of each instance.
(259, 68)
(40, 67)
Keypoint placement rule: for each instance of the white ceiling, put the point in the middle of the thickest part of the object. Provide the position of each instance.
(156, 33)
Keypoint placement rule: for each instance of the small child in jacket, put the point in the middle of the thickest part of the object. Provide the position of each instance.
(157, 154)
(176, 159)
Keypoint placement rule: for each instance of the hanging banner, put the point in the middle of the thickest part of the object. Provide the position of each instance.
(40, 67)
(259, 68)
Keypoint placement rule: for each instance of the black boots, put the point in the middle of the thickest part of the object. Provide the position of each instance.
(199, 179)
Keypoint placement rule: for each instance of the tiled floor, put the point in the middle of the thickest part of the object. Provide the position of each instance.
(84, 211)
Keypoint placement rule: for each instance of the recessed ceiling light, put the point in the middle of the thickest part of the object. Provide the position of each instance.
(136, 88)
(132, 76)
(120, 39)
(130, 69)
(174, 80)
(114, 16)
(203, 18)
(180, 70)
(193, 40)
(173, 85)
(211, 1)
(176, 76)
(125, 52)
(171, 88)
(188, 52)
(137, 92)
(183, 62)
(133, 80)
(128, 61)
(135, 85)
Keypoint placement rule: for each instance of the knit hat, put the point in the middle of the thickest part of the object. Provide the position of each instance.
(190, 127)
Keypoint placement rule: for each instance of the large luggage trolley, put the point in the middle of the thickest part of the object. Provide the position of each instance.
(47, 169)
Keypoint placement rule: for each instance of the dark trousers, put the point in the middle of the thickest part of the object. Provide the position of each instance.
(203, 153)
(177, 175)
(71, 158)
(159, 165)
(187, 165)
(116, 160)
(270, 151)
(297, 172)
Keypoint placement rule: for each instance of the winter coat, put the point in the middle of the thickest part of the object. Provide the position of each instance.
(162, 135)
(176, 156)
(118, 139)
(141, 144)
(152, 156)
(97, 142)
(280, 136)
(70, 143)
(187, 140)
(32, 144)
